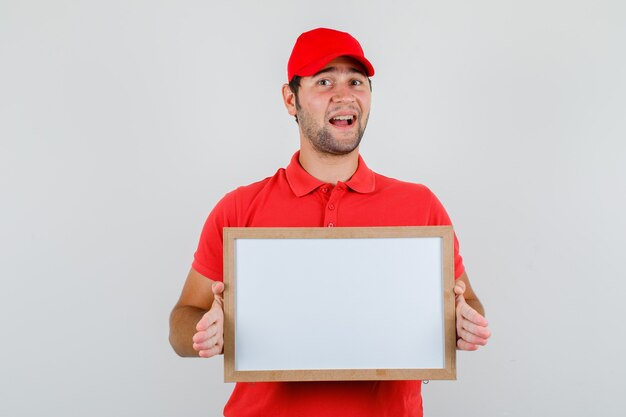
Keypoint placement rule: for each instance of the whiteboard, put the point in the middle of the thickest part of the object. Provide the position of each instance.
(340, 303)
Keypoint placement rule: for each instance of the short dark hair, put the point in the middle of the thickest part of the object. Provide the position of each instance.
(294, 86)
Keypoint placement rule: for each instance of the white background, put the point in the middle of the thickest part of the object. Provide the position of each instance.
(123, 122)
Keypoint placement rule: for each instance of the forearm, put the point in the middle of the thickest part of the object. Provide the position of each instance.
(183, 322)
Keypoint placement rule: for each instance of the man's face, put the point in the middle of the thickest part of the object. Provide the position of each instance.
(333, 107)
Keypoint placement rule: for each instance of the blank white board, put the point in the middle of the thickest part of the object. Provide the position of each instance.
(342, 303)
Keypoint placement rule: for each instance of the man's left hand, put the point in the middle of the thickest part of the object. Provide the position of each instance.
(471, 327)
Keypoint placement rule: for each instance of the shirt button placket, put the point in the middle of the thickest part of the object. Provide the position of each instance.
(330, 214)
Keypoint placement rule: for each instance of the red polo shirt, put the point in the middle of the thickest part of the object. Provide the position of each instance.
(293, 198)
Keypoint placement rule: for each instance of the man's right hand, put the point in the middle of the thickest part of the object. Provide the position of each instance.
(209, 339)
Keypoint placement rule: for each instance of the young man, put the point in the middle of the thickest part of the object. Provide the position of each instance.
(327, 184)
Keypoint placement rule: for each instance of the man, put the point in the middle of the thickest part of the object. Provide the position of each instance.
(327, 184)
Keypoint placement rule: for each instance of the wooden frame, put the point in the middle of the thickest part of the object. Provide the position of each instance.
(268, 319)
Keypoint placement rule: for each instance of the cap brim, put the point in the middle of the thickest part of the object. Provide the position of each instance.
(318, 65)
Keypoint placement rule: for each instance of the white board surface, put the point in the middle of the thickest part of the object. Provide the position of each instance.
(339, 303)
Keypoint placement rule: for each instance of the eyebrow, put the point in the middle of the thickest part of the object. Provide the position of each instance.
(330, 69)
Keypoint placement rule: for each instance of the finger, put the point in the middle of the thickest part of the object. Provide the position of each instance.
(472, 315)
(463, 345)
(199, 347)
(202, 351)
(207, 338)
(216, 340)
(200, 337)
(471, 338)
(209, 352)
(211, 332)
(210, 317)
(475, 329)
(214, 330)
(203, 342)
(208, 344)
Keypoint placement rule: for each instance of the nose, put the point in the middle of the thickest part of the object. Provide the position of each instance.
(343, 94)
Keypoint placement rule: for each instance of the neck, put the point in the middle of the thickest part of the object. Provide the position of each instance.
(327, 167)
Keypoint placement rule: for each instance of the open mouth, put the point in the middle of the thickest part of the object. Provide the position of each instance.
(341, 121)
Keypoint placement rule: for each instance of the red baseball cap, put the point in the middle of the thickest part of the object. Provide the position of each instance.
(318, 47)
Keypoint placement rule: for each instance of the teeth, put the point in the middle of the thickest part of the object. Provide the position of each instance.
(343, 118)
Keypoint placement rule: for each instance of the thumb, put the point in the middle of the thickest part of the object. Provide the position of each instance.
(459, 288)
(218, 289)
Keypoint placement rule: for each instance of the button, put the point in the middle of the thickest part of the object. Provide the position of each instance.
(331, 207)
(331, 225)
(340, 188)
(324, 189)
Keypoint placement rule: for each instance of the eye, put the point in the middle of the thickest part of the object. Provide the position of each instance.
(324, 81)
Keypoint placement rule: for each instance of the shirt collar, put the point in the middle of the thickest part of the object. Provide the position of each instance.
(302, 183)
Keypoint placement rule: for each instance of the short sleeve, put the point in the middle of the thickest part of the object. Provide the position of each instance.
(208, 259)
(439, 217)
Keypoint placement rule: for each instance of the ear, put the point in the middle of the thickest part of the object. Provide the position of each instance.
(289, 98)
